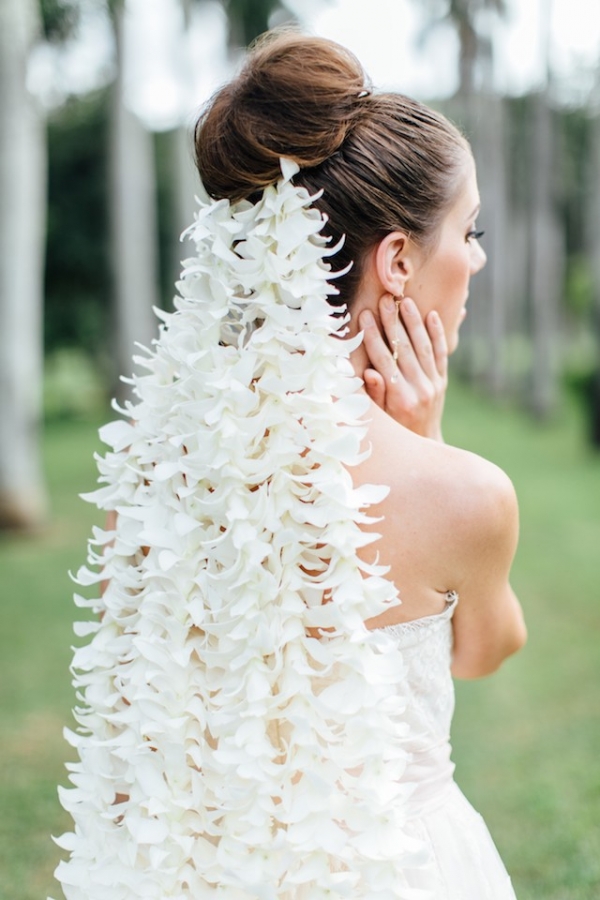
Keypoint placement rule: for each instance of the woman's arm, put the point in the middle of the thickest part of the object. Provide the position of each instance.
(488, 622)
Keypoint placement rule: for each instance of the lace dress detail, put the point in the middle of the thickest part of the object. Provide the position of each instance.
(404, 630)
(426, 645)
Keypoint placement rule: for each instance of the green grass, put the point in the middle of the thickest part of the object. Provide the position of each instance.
(35, 691)
(526, 740)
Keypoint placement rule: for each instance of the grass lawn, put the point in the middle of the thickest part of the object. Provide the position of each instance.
(526, 740)
(35, 691)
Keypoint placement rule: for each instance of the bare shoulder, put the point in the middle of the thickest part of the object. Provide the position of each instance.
(481, 497)
(452, 485)
(449, 522)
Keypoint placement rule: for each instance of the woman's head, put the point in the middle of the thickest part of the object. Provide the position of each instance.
(384, 162)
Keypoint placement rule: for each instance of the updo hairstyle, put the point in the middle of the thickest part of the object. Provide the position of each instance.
(384, 162)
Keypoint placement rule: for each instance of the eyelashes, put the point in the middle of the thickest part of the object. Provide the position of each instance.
(475, 235)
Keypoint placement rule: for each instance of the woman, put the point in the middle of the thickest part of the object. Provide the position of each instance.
(266, 714)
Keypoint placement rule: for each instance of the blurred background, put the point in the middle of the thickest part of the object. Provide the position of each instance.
(97, 102)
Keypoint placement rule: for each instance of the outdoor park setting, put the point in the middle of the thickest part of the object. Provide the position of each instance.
(87, 253)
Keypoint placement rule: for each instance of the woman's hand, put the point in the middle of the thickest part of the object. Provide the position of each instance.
(413, 389)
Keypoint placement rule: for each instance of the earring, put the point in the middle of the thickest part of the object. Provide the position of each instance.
(396, 340)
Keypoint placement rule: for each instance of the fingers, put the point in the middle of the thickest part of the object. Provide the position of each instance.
(378, 351)
(416, 349)
(438, 342)
(412, 387)
(421, 346)
(375, 386)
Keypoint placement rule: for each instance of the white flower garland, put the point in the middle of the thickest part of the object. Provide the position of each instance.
(223, 750)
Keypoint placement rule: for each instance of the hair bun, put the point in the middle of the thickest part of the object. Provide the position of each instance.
(296, 96)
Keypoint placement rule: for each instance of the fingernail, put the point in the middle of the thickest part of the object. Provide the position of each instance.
(366, 319)
(389, 303)
(435, 318)
(408, 305)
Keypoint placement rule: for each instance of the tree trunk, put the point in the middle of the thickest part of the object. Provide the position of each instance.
(468, 360)
(134, 243)
(593, 230)
(467, 37)
(464, 111)
(546, 261)
(186, 187)
(492, 284)
(22, 243)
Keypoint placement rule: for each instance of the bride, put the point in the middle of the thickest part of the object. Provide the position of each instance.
(237, 741)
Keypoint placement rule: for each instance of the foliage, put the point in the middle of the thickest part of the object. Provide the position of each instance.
(59, 18)
(574, 129)
(249, 18)
(463, 16)
(170, 249)
(73, 386)
(78, 310)
(77, 267)
(579, 295)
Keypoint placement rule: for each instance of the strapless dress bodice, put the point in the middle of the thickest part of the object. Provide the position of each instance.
(426, 647)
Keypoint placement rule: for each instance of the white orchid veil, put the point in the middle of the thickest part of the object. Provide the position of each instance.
(224, 750)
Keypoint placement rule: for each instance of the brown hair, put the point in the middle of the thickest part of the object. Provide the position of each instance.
(385, 162)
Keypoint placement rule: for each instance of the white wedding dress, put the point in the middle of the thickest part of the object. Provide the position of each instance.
(464, 863)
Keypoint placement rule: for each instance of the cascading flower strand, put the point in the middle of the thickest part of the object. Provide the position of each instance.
(225, 749)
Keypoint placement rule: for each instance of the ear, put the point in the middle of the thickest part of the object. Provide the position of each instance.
(395, 261)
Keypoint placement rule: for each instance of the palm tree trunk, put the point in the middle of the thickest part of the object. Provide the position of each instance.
(491, 287)
(186, 187)
(22, 240)
(593, 218)
(546, 261)
(133, 221)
